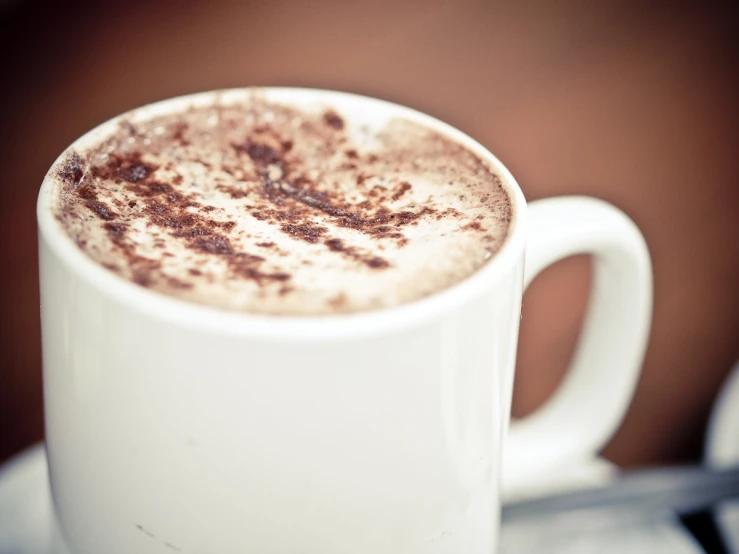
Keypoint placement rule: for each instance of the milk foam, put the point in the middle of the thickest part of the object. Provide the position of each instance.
(265, 207)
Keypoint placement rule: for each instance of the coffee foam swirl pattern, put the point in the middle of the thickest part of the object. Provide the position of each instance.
(263, 207)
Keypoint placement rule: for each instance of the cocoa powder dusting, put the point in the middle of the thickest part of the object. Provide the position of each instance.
(333, 120)
(100, 210)
(304, 231)
(405, 186)
(71, 170)
(217, 196)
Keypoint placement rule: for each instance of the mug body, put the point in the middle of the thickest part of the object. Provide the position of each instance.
(174, 427)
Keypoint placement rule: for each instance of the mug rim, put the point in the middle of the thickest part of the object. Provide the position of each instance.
(283, 327)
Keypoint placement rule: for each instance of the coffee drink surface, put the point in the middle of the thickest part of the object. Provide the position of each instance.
(276, 208)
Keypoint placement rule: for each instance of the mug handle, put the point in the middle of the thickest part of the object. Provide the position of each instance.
(587, 408)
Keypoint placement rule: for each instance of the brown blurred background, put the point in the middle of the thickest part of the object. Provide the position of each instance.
(633, 102)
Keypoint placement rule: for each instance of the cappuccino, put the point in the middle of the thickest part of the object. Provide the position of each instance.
(251, 203)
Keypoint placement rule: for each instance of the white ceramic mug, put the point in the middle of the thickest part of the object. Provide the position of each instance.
(173, 427)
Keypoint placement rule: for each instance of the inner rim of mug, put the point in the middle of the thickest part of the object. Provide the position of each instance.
(310, 327)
